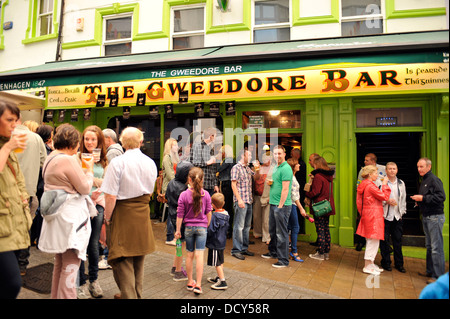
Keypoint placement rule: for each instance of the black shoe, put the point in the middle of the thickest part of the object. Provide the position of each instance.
(220, 285)
(388, 268)
(251, 242)
(279, 265)
(238, 256)
(314, 243)
(248, 253)
(213, 280)
(400, 268)
(424, 274)
(268, 256)
(359, 247)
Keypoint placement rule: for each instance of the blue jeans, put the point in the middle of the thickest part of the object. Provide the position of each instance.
(241, 227)
(93, 251)
(279, 235)
(434, 242)
(195, 237)
(294, 228)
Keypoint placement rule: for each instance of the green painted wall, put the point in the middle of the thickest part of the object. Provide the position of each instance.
(329, 129)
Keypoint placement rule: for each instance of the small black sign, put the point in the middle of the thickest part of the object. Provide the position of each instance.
(140, 101)
(230, 108)
(114, 100)
(199, 109)
(214, 109)
(49, 116)
(87, 114)
(169, 110)
(154, 111)
(101, 99)
(74, 115)
(183, 98)
(62, 114)
(126, 112)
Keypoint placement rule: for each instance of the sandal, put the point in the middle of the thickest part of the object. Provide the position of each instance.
(296, 257)
(191, 286)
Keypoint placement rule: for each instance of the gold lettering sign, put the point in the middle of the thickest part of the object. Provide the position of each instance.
(305, 82)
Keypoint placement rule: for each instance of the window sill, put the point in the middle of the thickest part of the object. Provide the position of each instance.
(41, 38)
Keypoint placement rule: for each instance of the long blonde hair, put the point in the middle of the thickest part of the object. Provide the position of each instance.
(168, 150)
(196, 177)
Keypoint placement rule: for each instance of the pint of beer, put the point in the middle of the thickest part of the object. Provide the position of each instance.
(23, 137)
(86, 158)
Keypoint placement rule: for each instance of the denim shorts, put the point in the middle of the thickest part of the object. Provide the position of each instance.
(195, 237)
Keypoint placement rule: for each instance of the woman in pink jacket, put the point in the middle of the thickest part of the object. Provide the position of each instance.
(369, 201)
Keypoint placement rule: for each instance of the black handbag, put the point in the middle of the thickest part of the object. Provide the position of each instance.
(323, 207)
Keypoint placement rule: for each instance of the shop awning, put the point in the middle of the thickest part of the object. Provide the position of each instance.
(388, 48)
(25, 101)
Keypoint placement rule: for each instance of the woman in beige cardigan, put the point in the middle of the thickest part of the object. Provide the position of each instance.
(15, 219)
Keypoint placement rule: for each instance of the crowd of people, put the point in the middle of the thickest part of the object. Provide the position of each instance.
(87, 197)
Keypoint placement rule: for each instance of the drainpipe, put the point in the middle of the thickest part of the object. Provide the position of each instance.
(58, 42)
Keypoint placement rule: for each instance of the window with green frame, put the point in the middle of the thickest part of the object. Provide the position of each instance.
(42, 21)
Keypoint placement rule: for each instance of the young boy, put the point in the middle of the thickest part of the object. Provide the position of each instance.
(216, 240)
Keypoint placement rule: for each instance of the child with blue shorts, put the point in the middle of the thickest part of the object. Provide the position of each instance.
(217, 240)
(194, 211)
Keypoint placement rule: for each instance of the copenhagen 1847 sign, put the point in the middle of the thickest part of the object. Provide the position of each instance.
(320, 81)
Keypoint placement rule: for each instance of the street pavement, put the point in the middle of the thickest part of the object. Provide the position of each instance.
(254, 278)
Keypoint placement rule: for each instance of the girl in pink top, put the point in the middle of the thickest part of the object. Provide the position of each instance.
(194, 210)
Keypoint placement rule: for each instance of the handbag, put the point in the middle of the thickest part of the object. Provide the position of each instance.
(323, 207)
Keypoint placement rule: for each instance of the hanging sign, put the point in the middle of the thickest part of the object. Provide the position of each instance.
(256, 121)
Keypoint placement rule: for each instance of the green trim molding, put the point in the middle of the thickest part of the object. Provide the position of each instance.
(2, 19)
(245, 25)
(32, 29)
(299, 21)
(392, 13)
(116, 8)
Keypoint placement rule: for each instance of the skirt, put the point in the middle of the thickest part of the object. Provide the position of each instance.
(130, 230)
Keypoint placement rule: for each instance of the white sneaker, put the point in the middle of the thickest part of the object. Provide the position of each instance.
(81, 292)
(103, 264)
(317, 256)
(95, 289)
(380, 270)
(371, 270)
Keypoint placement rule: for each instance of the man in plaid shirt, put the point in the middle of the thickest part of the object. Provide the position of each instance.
(203, 157)
(241, 183)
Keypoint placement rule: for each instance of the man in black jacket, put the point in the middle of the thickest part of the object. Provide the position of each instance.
(431, 199)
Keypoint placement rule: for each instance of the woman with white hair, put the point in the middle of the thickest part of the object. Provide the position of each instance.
(369, 201)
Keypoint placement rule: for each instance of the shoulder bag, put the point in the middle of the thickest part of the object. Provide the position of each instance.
(323, 207)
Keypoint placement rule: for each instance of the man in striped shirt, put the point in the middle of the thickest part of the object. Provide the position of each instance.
(241, 183)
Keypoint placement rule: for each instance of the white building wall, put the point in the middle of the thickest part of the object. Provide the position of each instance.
(16, 54)
(151, 19)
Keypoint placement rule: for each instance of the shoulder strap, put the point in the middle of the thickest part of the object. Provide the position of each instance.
(45, 168)
(329, 197)
(11, 168)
